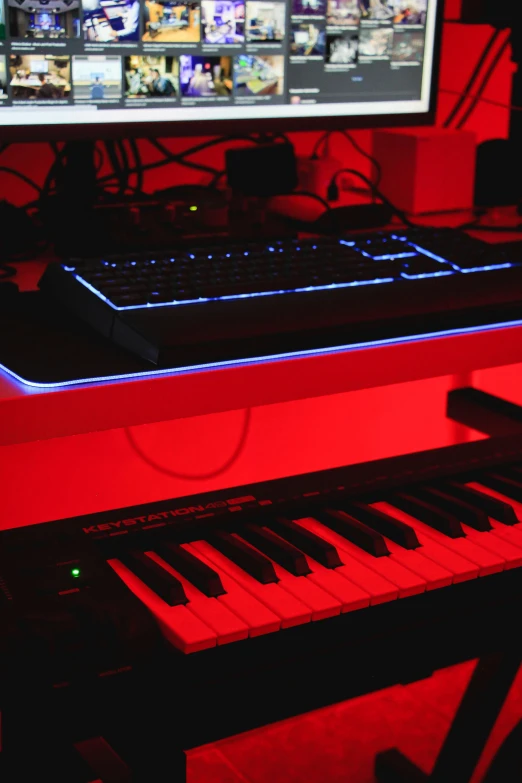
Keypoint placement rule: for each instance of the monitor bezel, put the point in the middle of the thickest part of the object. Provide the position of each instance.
(137, 130)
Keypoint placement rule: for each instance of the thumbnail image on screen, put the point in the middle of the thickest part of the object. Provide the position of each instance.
(3, 80)
(265, 21)
(2, 22)
(96, 78)
(376, 42)
(40, 77)
(342, 48)
(258, 75)
(410, 11)
(108, 21)
(308, 7)
(150, 78)
(223, 21)
(55, 19)
(378, 10)
(408, 46)
(308, 39)
(205, 77)
(343, 13)
(169, 21)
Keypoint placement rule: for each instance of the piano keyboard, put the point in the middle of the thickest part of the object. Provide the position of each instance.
(342, 557)
(222, 571)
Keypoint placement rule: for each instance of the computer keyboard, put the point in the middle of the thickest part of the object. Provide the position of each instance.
(157, 305)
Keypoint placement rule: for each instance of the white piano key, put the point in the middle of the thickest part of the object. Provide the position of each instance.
(290, 611)
(406, 581)
(256, 615)
(180, 627)
(211, 611)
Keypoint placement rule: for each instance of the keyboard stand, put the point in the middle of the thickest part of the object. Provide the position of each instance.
(484, 412)
(475, 719)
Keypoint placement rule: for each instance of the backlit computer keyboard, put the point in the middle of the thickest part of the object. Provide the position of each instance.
(237, 292)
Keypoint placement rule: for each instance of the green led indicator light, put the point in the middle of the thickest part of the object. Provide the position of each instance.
(75, 572)
(193, 209)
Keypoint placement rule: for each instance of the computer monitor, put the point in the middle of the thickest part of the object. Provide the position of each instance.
(103, 68)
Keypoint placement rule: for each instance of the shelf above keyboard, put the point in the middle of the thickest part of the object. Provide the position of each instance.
(34, 413)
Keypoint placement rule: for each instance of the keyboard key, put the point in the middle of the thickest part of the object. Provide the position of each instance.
(227, 626)
(291, 611)
(512, 531)
(497, 545)
(243, 555)
(279, 551)
(407, 582)
(379, 589)
(157, 579)
(479, 497)
(426, 512)
(318, 548)
(388, 526)
(350, 528)
(193, 569)
(321, 603)
(487, 562)
(433, 574)
(508, 486)
(179, 626)
(463, 570)
(255, 614)
(457, 507)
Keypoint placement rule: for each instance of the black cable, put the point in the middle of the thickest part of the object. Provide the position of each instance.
(472, 79)
(116, 166)
(179, 159)
(484, 83)
(51, 176)
(402, 215)
(23, 177)
(375, 163)
(481, 99)
(195, 476)
(125, 166)
(138, 167)
(355, 144)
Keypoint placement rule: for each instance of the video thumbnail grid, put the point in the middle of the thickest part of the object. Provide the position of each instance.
(144, 52)
(135, 79)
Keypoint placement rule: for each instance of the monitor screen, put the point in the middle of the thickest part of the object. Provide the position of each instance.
(66, 63)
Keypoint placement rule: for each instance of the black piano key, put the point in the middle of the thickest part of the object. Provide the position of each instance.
(279, 550)
(426, 512)
(198, 573)
(459, 508)
(504, 484)
(312, 545)
(493, 507)
(350, 528)
(158, 579)
(251, 561)
(394, 529)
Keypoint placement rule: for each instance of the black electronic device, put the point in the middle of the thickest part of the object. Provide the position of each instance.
(224, 300)
(387, 570)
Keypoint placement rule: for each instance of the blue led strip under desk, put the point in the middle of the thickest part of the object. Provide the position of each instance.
(274, 357)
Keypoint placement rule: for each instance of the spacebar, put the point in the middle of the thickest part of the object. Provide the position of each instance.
(254, 287)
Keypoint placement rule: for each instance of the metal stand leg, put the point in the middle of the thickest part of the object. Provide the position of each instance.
(475, 718)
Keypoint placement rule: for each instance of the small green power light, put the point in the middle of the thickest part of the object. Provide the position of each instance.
(75, 572)
(193, 209)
